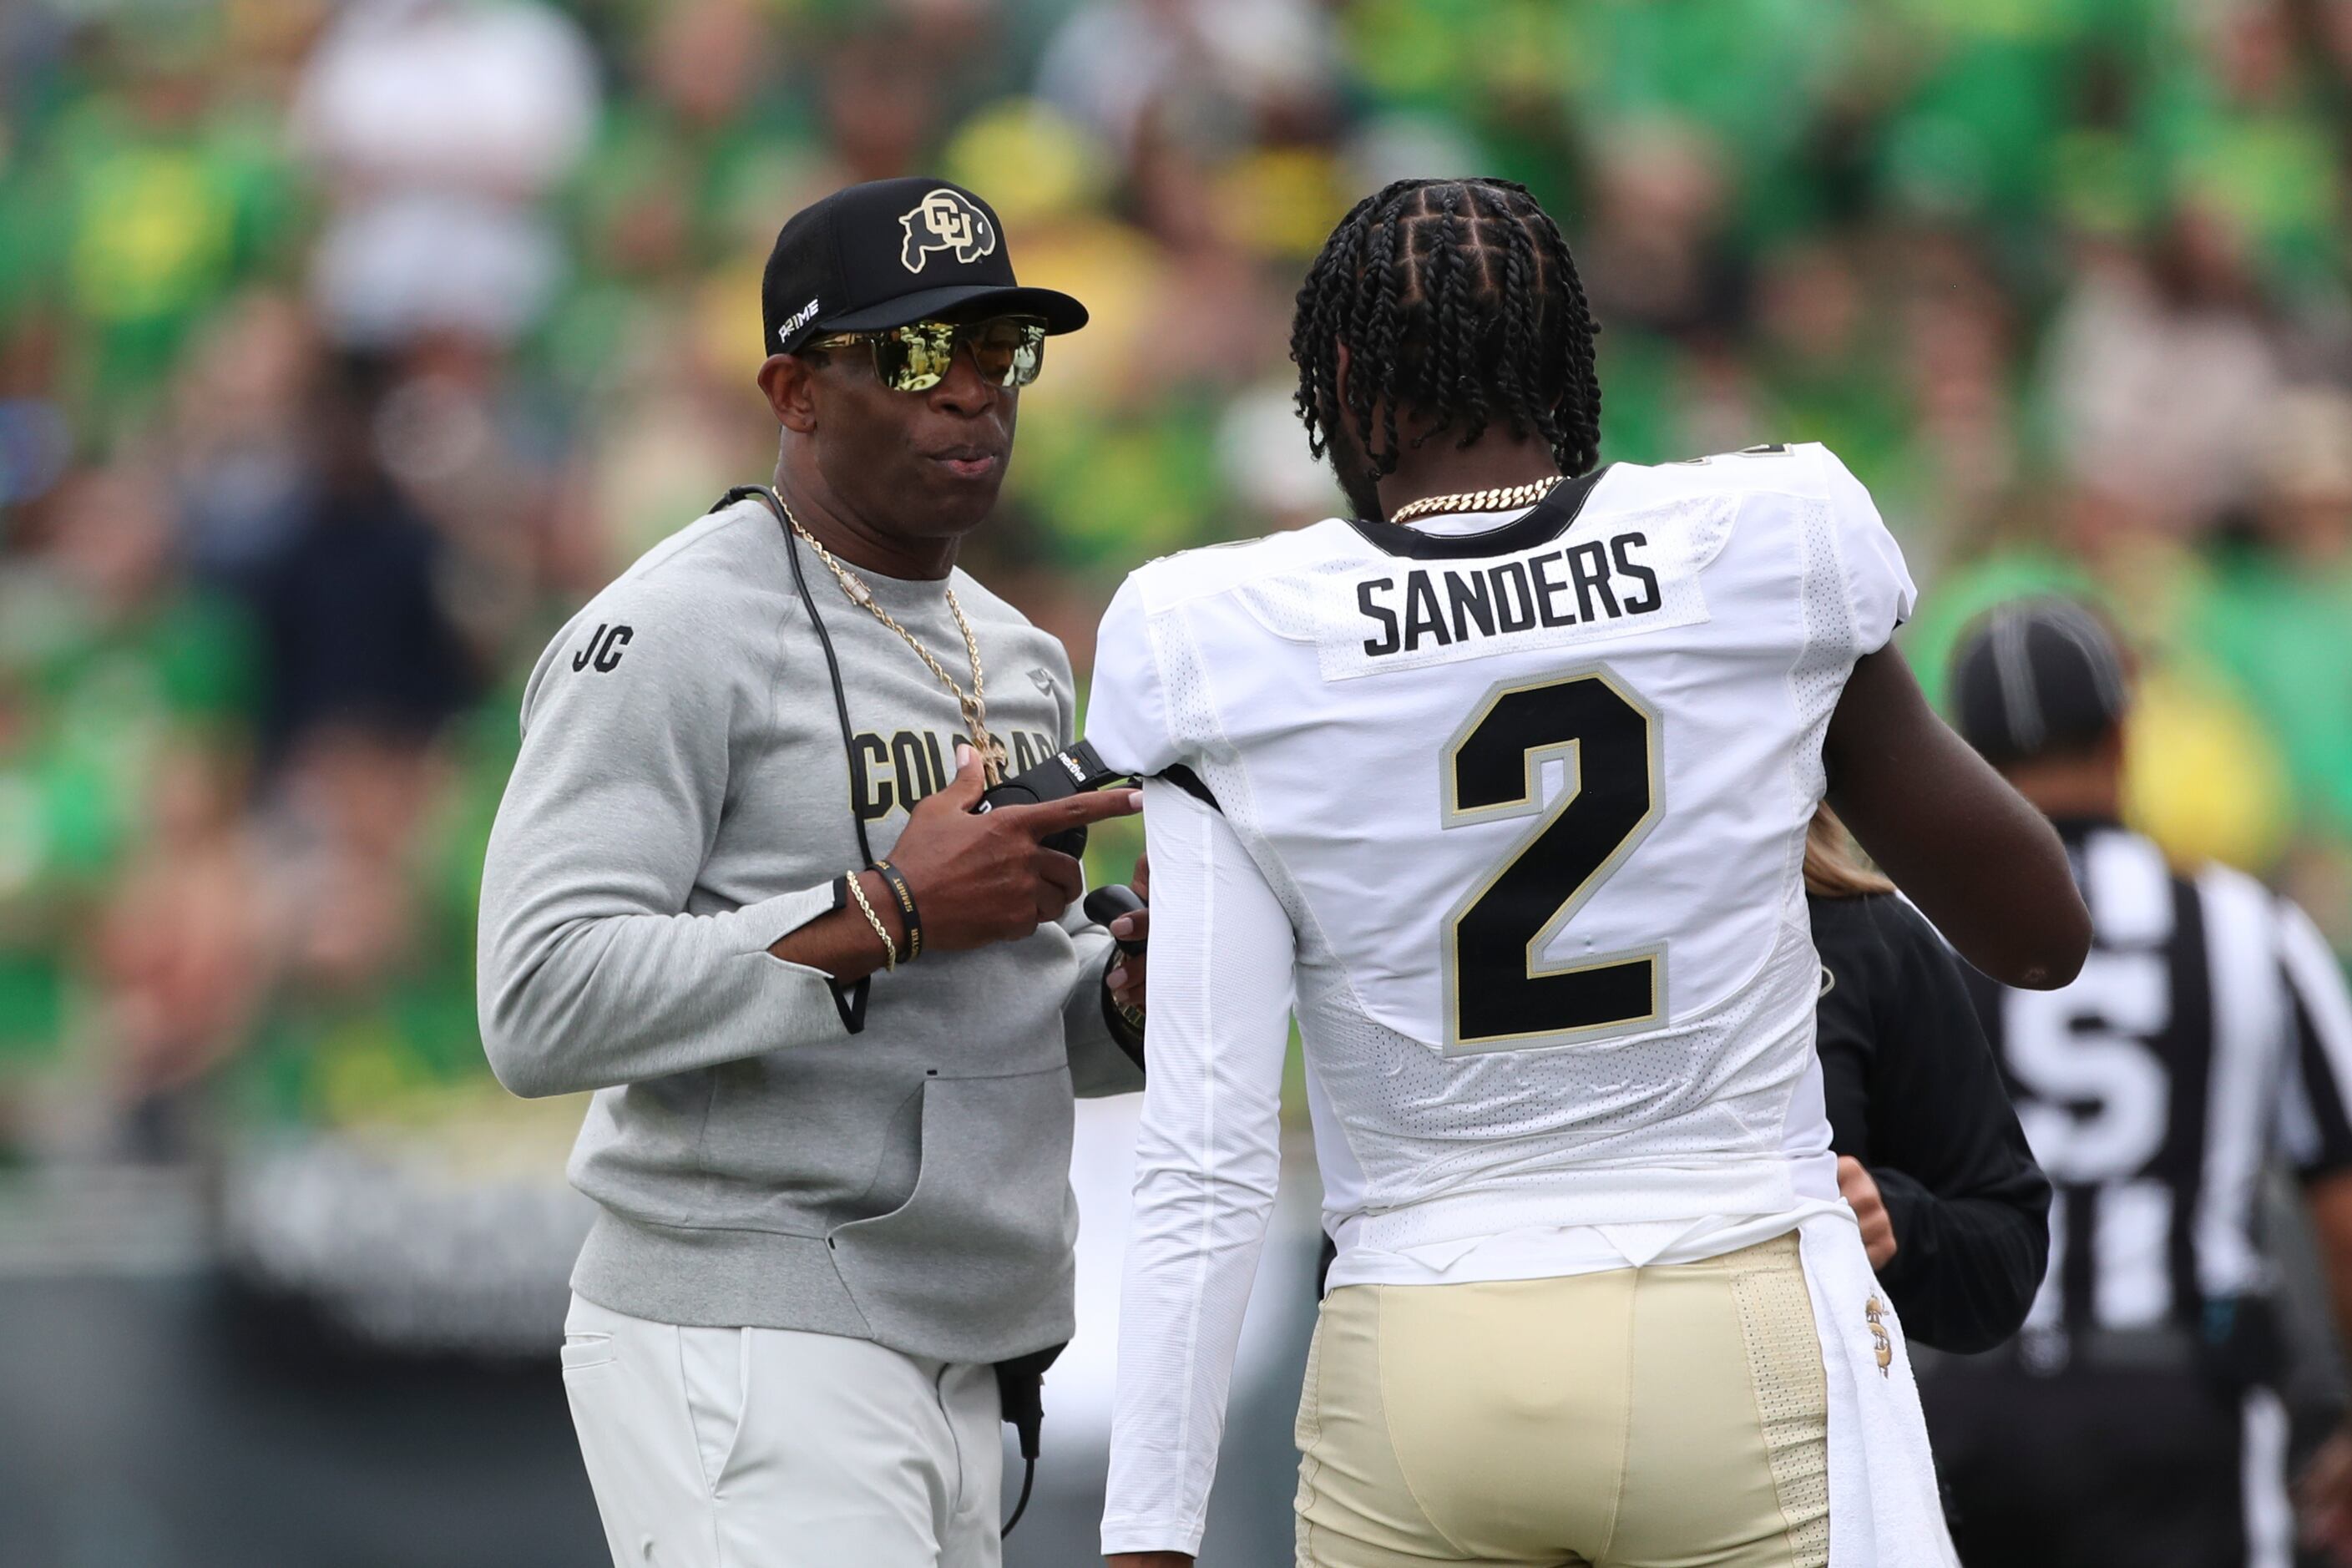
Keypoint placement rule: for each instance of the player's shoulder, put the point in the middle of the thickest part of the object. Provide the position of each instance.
(1804, 469)
(1206, 571)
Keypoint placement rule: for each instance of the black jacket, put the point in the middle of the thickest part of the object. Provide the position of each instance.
(1915, 1095)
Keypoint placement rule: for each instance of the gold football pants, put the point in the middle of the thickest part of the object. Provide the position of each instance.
(1670, 1417)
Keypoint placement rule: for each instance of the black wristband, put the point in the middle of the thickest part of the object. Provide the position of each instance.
(907, 915)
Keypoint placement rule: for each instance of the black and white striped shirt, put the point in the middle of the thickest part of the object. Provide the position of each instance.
(2209, 1033)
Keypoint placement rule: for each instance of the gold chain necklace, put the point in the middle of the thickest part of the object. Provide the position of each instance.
(975, 702)
(1501, 499)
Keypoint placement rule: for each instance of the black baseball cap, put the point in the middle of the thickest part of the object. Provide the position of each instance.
(893, 251)
(2035, 676)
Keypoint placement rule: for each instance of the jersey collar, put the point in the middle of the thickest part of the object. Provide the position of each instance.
(1546, 520)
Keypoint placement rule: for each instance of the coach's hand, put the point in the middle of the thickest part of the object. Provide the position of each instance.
(1126, 976)
(1862, 1196)
(986, 879)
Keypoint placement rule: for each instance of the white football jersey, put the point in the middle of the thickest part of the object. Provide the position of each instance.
(1535, 802)
(1514, 822)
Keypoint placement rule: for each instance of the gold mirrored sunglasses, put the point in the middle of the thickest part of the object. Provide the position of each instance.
(1009, 351)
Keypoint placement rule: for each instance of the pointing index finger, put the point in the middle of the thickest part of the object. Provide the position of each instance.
(1052, 816)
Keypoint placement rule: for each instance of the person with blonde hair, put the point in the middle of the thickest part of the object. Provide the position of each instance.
(1954, 1212)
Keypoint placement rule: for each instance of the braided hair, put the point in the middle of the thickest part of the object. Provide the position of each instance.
(1459, 298)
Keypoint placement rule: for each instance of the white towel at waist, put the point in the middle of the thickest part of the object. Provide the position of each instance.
(1884, 1508)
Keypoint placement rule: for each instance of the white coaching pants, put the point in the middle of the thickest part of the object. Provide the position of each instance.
(770, 1448)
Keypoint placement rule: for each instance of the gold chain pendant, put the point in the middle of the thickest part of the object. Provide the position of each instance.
(974, 704)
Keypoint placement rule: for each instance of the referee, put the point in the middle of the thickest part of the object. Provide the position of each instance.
(833, 1018)
(2136, 1417)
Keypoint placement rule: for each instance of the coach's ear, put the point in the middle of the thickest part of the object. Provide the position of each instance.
(786, 379)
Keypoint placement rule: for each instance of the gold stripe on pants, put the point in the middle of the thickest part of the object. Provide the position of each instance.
(1672, 1417)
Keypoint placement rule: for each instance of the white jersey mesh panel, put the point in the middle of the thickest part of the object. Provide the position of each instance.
(1819, 678)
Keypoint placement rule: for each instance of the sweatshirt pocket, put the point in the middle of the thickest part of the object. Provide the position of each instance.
(978, 1255)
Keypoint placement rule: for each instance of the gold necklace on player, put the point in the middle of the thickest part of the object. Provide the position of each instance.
(1511, 498)
(975, 702)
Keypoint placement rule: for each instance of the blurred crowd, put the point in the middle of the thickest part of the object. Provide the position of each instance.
(347, 345)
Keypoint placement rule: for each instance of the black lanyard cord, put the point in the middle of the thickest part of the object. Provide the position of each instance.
(852, 1002)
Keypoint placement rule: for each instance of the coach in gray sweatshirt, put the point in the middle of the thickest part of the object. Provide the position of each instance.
(831, 1132)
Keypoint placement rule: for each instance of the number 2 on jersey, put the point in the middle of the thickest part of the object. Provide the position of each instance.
(1500, 993)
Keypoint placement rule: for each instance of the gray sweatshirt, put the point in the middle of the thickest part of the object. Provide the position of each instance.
(682, 800)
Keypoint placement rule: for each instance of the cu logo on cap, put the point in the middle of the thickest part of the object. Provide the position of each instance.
(946, 220)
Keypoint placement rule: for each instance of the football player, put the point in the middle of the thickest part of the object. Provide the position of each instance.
(1501, 787)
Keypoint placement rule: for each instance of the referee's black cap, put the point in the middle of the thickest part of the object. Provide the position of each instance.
(2036, 677)
(889, 252)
